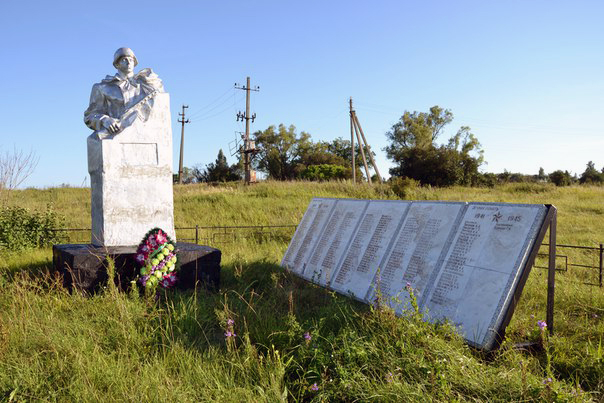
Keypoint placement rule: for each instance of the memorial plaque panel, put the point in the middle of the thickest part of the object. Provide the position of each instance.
(416, 252)
(464, 261)
(333, 241)
(311, 225)
(369, 244)
(482, 267)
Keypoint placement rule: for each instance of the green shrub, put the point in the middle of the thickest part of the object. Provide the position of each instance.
(404, 187)
(21, 228)
(560, 178)
(325, 172)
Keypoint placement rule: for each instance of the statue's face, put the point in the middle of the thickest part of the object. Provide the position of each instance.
(126, 64)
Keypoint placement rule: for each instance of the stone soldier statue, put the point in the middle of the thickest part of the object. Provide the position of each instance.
(129, 155)
(119, 99)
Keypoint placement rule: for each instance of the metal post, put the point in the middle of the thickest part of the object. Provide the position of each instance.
(601, 262)
(551, 274)
(196, 234)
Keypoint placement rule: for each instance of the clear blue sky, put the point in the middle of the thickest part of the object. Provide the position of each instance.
(526, 76)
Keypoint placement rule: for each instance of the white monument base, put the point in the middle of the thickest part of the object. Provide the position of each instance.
(131, 179)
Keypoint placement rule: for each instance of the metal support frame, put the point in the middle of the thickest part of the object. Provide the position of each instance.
(601, 263)
(549, 223)
(551, 272)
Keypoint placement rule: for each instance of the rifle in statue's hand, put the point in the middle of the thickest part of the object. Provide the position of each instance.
(130, 115)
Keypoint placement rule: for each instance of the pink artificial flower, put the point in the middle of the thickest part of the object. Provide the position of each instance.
(161, 237)
(140, 258)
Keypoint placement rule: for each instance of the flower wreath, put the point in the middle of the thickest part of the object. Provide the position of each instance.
(157, 256)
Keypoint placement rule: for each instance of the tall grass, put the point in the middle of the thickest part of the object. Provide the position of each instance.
(294, 341)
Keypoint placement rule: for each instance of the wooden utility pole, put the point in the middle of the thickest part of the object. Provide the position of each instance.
(249, 148)
(182, 141)
(356, 127)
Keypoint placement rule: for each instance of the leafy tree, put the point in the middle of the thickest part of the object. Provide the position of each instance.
(319, 154)
(561, 178)
(285, 155)
(487, 179)
(414, 149)
(218, 171)
(541, 175)
(280, 151)
(591, 175)
(341, 148)
(189, 175)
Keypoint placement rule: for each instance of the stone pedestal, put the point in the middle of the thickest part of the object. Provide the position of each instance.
(131, 179)
(83, 266)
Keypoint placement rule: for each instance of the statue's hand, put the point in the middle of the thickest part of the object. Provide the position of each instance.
(112, 125)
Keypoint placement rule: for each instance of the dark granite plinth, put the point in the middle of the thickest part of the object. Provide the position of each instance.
(83, 266)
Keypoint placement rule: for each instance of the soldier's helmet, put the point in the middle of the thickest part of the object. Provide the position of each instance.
(121, 52)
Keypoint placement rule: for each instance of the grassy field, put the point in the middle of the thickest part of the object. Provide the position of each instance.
(294, 341)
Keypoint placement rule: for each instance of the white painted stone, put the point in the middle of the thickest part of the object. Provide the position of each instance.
(131, 179)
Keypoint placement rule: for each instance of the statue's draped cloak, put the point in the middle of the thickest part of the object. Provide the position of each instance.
(115, 94)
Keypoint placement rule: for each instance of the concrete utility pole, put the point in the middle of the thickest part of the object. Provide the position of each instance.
(354, 170)
(182, 141)
(249, 148)
(356, 126)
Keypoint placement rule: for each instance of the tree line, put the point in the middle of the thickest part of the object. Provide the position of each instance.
(283, 153)
(286, 154)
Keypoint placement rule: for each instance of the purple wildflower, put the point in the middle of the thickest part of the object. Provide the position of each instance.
(307, 337)
(546, 381)
(230, 322)
(389, 377)
(542, 325)
(228, 334)
(314, 387)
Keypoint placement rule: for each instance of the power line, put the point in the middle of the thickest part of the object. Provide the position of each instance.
(202, 109)
(209, 111)
(205, 117)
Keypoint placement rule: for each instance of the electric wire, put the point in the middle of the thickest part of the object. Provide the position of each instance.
(204, 116)
(203, 108)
